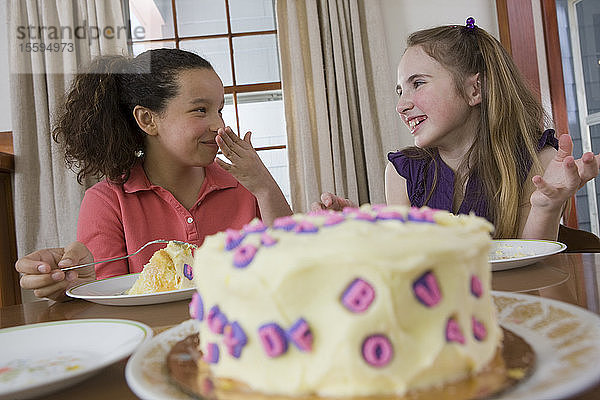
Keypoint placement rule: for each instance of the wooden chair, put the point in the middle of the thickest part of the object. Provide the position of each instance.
(578, 241)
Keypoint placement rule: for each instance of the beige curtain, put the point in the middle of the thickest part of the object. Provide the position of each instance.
(339, 99)
(46, 194)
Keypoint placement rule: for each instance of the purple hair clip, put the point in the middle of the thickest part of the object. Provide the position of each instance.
(470, 23)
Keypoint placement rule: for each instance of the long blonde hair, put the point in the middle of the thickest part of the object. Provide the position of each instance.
(511, 118)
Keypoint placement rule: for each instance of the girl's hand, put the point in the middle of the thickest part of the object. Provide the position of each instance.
(563, 176)
(41, 270)
(246, 166)
(330, 201)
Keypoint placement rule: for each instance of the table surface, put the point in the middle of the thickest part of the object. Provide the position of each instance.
(572, 278)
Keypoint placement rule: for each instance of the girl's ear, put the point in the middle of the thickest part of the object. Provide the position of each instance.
(145, 120)
(473, 90)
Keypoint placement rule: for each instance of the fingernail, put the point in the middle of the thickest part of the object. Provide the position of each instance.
(71, 276)
(65, 262)
(44, 269)
(58, 275)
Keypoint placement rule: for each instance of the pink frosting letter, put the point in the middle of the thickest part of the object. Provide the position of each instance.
(358, 296)
(476, 286)
(216, 320)
(479, 330)
(196, 307)
(243, 255)
(453, 332)
(427, 290)
(377, 350)
(273, 339)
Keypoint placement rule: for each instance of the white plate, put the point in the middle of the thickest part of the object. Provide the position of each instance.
(110, 291)
(514, 253)
(42, 358)
(565, 339)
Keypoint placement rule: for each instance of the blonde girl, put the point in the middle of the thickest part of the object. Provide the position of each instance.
(480, 143)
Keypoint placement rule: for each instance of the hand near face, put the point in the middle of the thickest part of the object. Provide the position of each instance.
(41, 270)
(563, 176)
(246, 166)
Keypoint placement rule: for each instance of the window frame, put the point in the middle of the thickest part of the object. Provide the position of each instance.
(233, 89)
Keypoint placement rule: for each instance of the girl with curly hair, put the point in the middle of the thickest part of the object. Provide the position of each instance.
(151, 126)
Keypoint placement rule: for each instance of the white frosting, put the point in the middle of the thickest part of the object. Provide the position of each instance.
(305, 275)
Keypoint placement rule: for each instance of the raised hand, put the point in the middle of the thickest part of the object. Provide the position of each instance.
(247, 167)
(330, 201)
(41, 270)
(563, 176)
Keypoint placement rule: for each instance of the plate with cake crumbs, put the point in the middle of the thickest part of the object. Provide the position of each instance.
(514, 253)
(565, 340)
(38, 359)
(113, 292)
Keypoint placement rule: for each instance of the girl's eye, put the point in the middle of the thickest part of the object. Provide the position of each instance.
(221, 111)
(418, 83)
(201, 109)
(399, 92)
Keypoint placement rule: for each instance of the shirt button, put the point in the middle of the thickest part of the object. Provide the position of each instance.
(190, 220)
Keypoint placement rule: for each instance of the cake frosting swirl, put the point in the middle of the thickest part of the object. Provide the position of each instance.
(371, 301)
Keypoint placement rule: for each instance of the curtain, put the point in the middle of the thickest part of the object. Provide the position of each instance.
(46, 193)
(339, 99)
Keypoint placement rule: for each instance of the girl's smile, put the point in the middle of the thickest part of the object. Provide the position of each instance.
(210, 142)
(431, 105)
(414, 122)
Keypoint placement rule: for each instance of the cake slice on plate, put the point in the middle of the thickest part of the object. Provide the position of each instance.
(168, 269)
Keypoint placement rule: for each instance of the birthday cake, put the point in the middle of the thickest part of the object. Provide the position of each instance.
(168, 269)
(376, 300)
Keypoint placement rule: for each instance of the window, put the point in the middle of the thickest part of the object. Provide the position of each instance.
(239, 38)
(579, 32)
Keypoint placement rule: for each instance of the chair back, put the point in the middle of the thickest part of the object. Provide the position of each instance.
(578, 241)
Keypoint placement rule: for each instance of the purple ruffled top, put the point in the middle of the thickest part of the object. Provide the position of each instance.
(415, 170)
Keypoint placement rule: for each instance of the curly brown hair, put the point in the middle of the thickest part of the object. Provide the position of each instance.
(95, 125)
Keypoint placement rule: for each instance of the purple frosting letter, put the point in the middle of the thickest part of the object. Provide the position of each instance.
(235, 339)
(212, 353)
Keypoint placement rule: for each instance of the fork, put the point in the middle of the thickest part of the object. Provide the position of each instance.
(127, 255)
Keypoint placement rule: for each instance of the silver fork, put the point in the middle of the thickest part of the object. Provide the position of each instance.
(127, 255)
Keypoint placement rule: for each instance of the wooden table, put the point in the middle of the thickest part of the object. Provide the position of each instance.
(572, 278)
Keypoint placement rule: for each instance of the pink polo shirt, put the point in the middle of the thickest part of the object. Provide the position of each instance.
(118, 219)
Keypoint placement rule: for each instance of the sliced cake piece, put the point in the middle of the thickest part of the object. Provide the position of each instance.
(168, 269)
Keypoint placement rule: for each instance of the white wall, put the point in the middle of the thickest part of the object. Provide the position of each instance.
(402, 17)
(5, 122)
